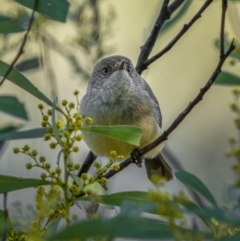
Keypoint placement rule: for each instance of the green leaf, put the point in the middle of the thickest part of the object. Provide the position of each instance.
(12, 106)
(10, 183)
(235, 237)
(196, 184)
(5, 225)
(122, 227)
(54, 125)
(9, 129)
(225, 78)
(9, 133)
(118, 198)
(5, 131)
(8, 25)
(96, 188)
(54, 9)
(221, 215)
(52, 228)
(125, 133)
(77, 180)
(138, 199)
(29, 64)
(20, 80)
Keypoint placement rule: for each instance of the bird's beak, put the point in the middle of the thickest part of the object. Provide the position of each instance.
(122, 65)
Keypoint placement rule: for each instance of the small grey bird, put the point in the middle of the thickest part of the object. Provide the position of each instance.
(118, 95)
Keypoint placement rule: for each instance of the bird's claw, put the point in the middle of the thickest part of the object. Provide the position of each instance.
(137, 158)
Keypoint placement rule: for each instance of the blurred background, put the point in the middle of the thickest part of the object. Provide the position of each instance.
(59, 57)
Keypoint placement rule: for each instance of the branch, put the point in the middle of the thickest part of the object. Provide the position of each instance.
(192, 104)
(224, 9)
(21, 50)
(175, 5)
(148, 46)
(87, 163)
(178, 36)
(5, 217)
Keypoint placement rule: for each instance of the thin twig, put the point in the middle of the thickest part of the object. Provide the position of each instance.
(21, 50)
(148, 46)
(175, 5)
(178, 36)
(190, 106)
(5, 216)
(96, 37)
(87, 163)
(224, 9)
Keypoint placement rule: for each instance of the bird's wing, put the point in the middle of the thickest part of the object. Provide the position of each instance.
(149, 90)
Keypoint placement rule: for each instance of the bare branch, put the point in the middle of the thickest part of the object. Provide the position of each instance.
(224, 9)
(87, 163)
(178, 36)
(21, 50)
(175, 5)
(148, 46)
(5, 216)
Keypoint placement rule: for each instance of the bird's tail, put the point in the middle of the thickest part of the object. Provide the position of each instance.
(158, 166)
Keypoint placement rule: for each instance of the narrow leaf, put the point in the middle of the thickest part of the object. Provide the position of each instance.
(195, 183)
(52, 228)
(220, 214)
(12, 106)
(125, 133)
(10, 183)
(95, 188)
(29, 64)
(54, 9)
(8, 133)
(235, 237)
(118, 198)
(226, 78)
(137, 199)
(5, 224)
(54, 125)
(122, 227)
(8, 25)
(77, 179)
(20, 80)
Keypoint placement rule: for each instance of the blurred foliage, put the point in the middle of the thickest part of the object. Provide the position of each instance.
(88, 27)
(234, 145)
(89, 30)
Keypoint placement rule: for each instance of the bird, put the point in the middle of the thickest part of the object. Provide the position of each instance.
(117, 95)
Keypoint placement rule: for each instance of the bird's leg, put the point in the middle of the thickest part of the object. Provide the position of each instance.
(137, 158)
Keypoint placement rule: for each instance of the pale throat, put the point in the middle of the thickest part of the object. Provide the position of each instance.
(119, 87)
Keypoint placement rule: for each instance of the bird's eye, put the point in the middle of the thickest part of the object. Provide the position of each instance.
(105, 70)
(129, 70)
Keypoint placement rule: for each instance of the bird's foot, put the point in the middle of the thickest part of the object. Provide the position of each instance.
(137, 158)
